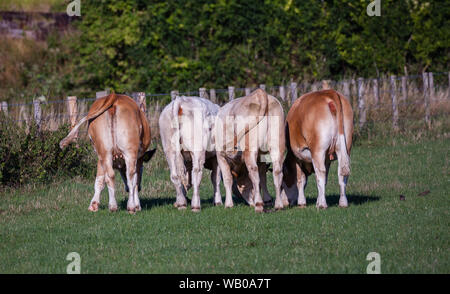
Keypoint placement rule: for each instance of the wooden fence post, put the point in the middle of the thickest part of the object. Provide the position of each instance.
(212, 95)
(73, 110)
(293, 90)
(376, 91)
(231, 93)
(394, 102)
(4, 107)
(37, 112)
(326, 84)
(404, 88)
(202, 93)
(247, 91)
(102, 94)
(174, 94)
(282, 93)
(142, 102)
(449, 82)
(431, 86)
(426, 99)
(346, 90)
(361, 103)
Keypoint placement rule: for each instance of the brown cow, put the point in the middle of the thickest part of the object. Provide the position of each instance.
(319, 128)
(120, 135)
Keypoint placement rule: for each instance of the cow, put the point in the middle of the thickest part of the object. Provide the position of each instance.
(120, 135)
(319, 129)
(247, 130)
(185, 127)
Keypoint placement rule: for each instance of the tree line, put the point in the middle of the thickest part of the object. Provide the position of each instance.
(154, 46)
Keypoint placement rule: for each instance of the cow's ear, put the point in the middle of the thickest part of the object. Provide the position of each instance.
(148, 155)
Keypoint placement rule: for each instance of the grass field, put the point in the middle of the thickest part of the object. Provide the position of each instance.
(40, 225)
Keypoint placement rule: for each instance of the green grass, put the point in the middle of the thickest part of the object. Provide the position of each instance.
(39, 226)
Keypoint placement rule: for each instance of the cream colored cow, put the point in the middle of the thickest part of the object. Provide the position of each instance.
(185, 127)
(249, 133)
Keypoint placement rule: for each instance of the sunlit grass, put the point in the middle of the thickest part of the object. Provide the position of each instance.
(40, 225)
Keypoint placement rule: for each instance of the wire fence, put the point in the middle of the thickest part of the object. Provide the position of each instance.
(374, 100)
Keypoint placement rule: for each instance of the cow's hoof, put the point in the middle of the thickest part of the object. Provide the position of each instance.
(113, 208)
(322, 206)
(195, 209)
(181, 207)
(259, 207)
(343, 202)
(137, 208)
(131, 210)
(94, 206)
(301, 206)
(229, 204)
(218, 204)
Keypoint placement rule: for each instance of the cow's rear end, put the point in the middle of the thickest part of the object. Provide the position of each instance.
(120, 134)
(319, 128)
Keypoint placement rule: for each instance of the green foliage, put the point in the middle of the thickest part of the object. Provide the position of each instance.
(35, 157)
(156, 46)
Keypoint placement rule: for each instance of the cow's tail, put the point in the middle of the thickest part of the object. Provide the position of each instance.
(177, 111)
(262, 113)
(94, 112)
(341, 144)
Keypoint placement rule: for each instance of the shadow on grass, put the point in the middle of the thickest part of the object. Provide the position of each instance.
(353, 199)
(332, 200)
(149, 203)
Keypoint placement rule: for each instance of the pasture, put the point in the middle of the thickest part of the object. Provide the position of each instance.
(40, 225)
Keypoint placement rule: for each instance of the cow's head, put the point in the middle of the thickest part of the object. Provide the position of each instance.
(291, 168)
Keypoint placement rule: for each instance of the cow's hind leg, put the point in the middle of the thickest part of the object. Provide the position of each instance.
(180, 201)
(110, 182)
(250, 159)
(318, 159)
(280, 202)
(99, 185)
(133, 203)
(198, 160)
(215, 179)
(302, 180)
(342, 198)
(227, 180)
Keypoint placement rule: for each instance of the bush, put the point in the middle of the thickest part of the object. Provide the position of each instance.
(33, 156)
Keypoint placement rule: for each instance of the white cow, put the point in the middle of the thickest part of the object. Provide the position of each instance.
(185, 126)
(249, 132)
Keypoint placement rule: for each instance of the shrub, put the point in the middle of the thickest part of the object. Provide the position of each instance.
(33, 156)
